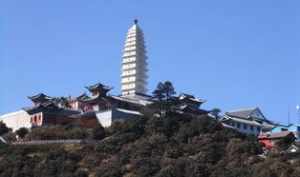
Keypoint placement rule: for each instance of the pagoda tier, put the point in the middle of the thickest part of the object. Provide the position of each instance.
(134, 65)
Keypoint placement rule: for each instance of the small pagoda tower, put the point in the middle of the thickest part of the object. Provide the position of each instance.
(99, 89)
(134, 65)
(40, 98)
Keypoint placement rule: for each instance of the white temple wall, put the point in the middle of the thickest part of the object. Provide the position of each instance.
(17, 120)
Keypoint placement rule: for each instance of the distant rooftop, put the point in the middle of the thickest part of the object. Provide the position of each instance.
(98, 86)
(41, 97)
(246, 113)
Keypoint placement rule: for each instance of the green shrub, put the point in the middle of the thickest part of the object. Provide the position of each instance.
(22, 132)
(3, 128)
(172, 146)
(98, 132)
(58, 132)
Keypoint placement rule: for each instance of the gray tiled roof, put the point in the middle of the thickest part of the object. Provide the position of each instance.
(99, 86)
(242, 113)
(50, 108)
(190, 97)
(246, 113)
(83, 97)
(250, 116)
(40, 98)
(276, 135)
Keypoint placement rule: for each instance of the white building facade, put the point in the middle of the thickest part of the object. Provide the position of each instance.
(106, 118)
(134, 64)
(248, 121)
(17, 120)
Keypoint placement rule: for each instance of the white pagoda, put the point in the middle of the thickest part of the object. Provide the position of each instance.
(134, 65)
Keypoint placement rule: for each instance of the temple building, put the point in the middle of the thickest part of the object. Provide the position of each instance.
(269, 140)
(294, 128)
(39, 98)
(49, 110)
(97, 105)
(105, 108)
(188, 104)
(134, 65)
(248, 121)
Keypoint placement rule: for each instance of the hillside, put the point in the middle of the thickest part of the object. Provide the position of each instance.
(174, 146)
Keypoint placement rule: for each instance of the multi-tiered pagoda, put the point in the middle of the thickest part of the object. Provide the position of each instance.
(134, 65)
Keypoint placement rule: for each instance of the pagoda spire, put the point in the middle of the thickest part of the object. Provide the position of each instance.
(134, 65)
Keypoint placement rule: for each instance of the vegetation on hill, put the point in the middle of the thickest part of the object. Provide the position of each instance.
(172, 146)
(3, 128)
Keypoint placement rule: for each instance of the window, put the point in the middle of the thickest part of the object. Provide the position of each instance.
(258, 129)
(251, 128)
(238, 125)
(128, 66)
(245, 126)
(129, 59)
(128, 79)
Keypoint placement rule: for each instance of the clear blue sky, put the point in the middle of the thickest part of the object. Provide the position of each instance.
(233, 53)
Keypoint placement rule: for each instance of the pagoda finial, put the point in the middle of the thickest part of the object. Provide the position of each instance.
(136, 21)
